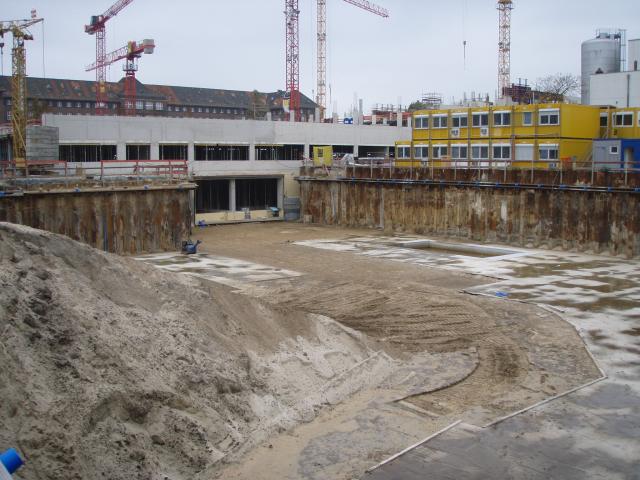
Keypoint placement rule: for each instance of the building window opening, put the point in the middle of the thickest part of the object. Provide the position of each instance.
(138, 152)
(404, 152)
(548, 152)
(421, 152)
(173, 152)
(604, 120)
(502, 152)
(459, 152)
(502, 119)
(440, 151)
(222, 153)
(480, 152)
(440, 121)
(422, 122)
(550, 117)
(87, 153)
(624, 119)
(256, 193)
(212, 196)
(460, 121)
(280, 152)
(480, 119)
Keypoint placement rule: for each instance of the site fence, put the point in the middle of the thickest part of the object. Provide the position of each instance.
(106, 169)
(555, 172)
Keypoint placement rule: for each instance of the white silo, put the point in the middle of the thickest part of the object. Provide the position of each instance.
(634, 54)
(600, 55)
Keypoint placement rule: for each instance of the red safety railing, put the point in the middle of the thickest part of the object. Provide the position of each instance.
(172, 169)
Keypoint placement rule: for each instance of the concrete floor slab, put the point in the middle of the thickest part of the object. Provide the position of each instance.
(590, 434)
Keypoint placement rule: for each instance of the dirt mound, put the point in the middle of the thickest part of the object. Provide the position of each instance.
(114, 369)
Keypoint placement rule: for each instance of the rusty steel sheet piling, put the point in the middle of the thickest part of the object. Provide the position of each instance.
(596, 220)
(125, 219)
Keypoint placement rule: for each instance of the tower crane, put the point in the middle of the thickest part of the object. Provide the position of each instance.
(20, 34)
(321, 96)
(504, 45)
(131, 52)
(292, 14)
(97, 28)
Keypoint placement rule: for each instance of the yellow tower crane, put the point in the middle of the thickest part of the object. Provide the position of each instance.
(20, 34)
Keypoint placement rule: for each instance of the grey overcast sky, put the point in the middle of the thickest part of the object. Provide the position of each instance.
(240, 44)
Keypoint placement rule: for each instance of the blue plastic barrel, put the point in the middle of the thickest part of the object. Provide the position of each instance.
(11, 460)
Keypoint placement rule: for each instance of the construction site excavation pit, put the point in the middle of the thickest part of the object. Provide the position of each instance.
(280, 351)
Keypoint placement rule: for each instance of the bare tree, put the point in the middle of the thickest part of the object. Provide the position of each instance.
(561, 84)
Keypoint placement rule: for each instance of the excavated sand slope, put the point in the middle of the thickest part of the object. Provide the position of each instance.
(114, 369)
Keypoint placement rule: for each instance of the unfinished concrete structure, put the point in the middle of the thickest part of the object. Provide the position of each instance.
(237, 164)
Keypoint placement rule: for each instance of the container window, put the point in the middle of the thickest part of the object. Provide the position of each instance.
(440, 151)
(550, 117)
(624, 119)
(480, 152)
(460, 121)
(440, 121)
(480, 119)
(502, 119)
(548, 153)
(422, 152)
(502, 152)
(459, 152)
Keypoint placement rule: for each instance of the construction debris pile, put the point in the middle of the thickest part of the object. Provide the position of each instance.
(114, 369)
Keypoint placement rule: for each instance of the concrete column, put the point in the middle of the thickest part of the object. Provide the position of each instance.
(232, 194)
(191, 155)
(317, 115)
(252, 152)
(306, 152)
(281, 194)
(154, 153)
(374, 119)
(121, 150)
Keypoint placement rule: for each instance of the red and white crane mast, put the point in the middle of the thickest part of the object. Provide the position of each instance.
(292, 14)
(97, 28)
(321, 96)
(130, 53)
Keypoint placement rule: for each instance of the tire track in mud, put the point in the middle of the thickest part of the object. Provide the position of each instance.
(410, 319)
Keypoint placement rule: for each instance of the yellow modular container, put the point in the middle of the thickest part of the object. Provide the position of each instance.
(579, 121)
(624, 123)
(523, 135)
(323, 156)
(404, 154)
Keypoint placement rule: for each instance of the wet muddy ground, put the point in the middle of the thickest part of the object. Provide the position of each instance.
(591, 433)
(433, 299)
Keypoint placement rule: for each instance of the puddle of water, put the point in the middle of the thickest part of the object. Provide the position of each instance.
(224, 270)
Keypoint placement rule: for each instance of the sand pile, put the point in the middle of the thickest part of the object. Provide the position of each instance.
(113, 369)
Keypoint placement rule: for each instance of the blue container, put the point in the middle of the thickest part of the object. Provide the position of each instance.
(11, 460)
